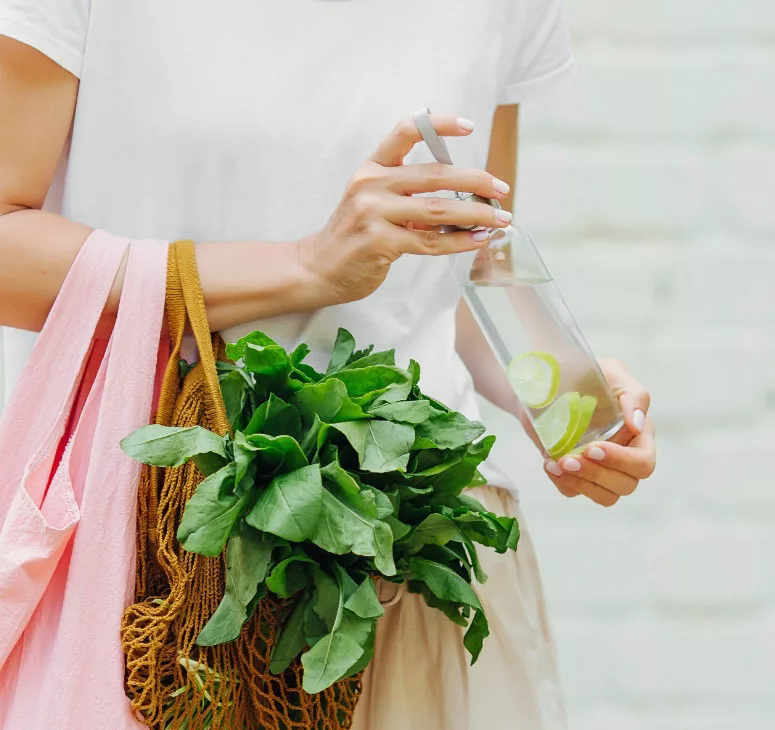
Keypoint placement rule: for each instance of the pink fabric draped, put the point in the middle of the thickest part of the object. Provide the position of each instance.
(68, 495)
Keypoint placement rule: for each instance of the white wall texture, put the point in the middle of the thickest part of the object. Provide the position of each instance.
(649, 183)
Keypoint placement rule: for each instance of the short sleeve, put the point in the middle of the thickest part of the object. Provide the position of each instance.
(54, 27)
(540, 52)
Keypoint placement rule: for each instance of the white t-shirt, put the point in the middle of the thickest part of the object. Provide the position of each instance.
(244, 119)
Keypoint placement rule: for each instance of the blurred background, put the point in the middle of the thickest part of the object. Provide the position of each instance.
(649, 184)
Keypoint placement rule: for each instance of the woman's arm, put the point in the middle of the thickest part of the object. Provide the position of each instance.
(242, 281)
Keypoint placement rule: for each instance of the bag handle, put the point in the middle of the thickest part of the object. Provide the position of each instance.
(185, 303)
(37, 413)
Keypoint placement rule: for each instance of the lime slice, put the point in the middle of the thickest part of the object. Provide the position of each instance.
(535, 377)
(559, 422)
(586, 411)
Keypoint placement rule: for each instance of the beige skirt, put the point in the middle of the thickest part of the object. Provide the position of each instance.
(421, 679)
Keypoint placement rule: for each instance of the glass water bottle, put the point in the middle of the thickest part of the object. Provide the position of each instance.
(533, 334)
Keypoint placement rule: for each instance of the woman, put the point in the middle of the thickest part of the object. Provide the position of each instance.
(238, 124)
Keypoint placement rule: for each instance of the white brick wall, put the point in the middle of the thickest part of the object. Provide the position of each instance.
(650, 185)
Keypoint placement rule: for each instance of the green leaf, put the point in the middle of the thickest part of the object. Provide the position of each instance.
(291, 639)
(331, 658)
(382, 502)
(364, 603)
(405, 411)
(169, 446)
(244, 455)
(211, 513)
(477, 632)
(360, 354)
(326, 599)
(448, 608)
(343, 349)
(314, 627)
(414, 371)
(275, 417)
(447, 431)
(333, 655)
(443, 582)
(366, 657)
(399, 529)
(236, 351)
(270, 362)
(328, 400)
(235, 392)
(377, 358)
(381, 446)
(248, 556)
(372, 380)
(291, 575)
(313, 439)
(291, 505)
(473, 558)
(348, 523)
(184, 367)
(435, 529)
(276, 454)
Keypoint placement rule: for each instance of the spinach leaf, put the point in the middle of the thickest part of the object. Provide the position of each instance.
(343, 349)
(364, 603)
(443, 582)
(449, 608)
(276, 454)
(405, 411)
(414, 371)
(328, 400)
(248, 556)
(291, 639)
(381, 446)
(268, 363)
(236, 351)
(291, 505)
(447, 431)
(477, 632)
(326, 599)
(275, 417)
(377, 358)
(234, 390)
(170, 446)
(291, 575)
(435, 529)
(348, 523)
(211, 513)
(369, 382)
(366, 657)
(333, 655)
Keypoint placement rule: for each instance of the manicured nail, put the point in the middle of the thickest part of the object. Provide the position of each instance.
(500, 186)
(596, 453)
(503, 216)
(465, 124)
(553, 468)
(481, 235)
(571, 464)
(639, 420)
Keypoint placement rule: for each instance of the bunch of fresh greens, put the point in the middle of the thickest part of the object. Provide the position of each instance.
(331, 481)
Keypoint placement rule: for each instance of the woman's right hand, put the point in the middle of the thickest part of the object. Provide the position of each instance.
(378, 219)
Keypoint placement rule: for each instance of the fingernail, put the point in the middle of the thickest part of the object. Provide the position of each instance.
(500, 186)
(553, 468)
(503, 216)
(571, 464)
(481, 235)
(596, 453)
(639, 420)
(465, 124)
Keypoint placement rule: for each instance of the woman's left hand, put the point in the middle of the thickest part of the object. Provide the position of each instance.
(611, 469)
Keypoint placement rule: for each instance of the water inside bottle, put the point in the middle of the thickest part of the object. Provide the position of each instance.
(529, 316)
